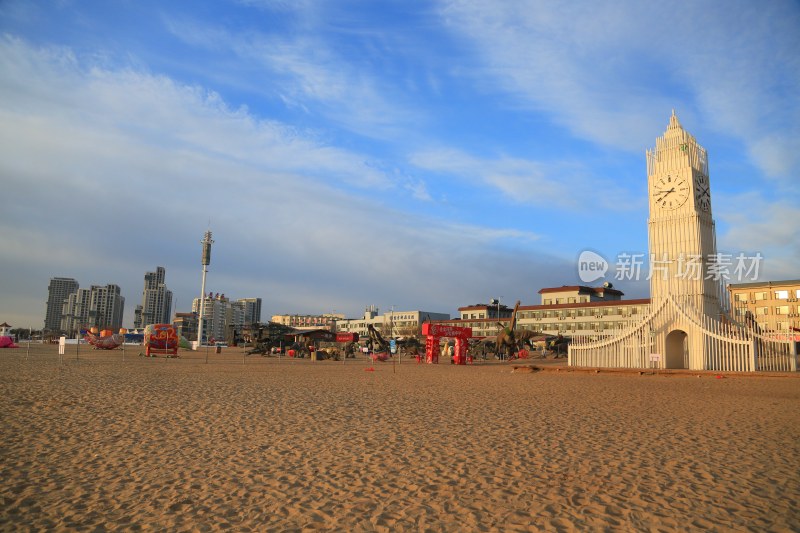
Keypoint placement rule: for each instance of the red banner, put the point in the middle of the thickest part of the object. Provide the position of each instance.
(444, 330)
(347, 337)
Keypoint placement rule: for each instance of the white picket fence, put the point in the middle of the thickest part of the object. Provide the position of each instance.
(708, 344)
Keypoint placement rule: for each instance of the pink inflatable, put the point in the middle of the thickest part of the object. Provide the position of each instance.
(7, 342)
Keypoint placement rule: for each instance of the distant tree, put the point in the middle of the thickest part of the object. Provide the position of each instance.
(25, 333)
(408, 331)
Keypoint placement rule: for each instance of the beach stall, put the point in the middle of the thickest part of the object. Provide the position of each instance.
(161, 339)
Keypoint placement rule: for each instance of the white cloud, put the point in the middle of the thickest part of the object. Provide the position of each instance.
(778, 156)
(758, 225)
(306, 72)
(159, 114)
(569, 61)
(418, 189)
(560, 185)
(114, 172)
(606, 72)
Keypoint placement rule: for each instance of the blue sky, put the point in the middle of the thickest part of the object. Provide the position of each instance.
(406, 154)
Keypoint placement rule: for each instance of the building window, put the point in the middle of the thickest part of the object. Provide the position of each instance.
(740, 297)
(760, 296)
(782, 310)
(548, 301)
(781, 295)
(762, 310)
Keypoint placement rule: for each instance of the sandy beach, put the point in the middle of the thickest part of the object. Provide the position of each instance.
(261, 444)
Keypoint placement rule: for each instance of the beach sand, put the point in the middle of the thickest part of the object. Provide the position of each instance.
(258, 444)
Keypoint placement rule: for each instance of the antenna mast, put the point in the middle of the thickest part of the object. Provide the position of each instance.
(205, 260)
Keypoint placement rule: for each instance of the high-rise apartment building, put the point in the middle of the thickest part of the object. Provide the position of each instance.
(100, 306)
(186, 325)
(216, 310)
(58, 290)
(220, 313)
(156, 301)
(75, 313)
(235, 315)
(252, 310)
(106, 306)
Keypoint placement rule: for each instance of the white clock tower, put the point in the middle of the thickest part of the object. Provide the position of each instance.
(686, 326)
(681, 231)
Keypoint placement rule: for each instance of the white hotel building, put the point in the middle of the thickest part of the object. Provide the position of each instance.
(568, 310)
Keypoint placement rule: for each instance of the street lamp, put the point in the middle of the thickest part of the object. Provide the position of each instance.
(496, 301)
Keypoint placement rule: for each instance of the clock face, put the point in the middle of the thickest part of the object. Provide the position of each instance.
(670, 192)
(702, 194)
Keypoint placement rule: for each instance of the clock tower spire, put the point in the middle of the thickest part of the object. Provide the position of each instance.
(682, 235)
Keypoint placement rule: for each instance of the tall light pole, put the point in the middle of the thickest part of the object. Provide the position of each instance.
(206, 260)
(496, 301)
(391, 334)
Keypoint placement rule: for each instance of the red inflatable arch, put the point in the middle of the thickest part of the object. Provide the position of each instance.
(434, 332)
